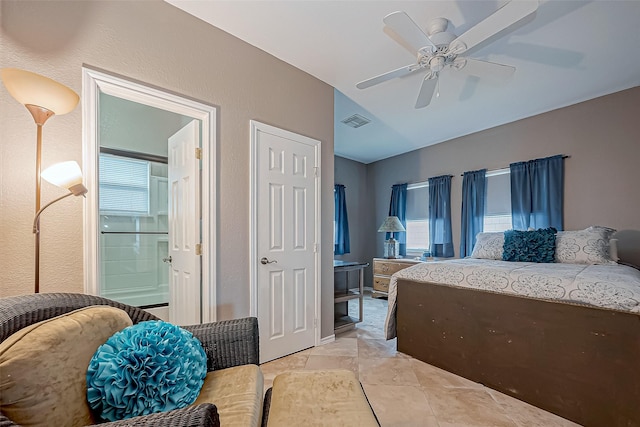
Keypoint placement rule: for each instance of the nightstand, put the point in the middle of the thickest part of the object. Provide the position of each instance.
(383, 268)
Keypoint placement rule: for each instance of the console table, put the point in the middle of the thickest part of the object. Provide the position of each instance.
(346, 290)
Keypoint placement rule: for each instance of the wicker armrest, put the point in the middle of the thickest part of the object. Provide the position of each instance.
(229, 342)
(205, 415)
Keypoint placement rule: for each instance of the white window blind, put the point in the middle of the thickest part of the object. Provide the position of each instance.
(498, 194)
(124, 185)
(417, 218)
(417, 203)
(498, 205)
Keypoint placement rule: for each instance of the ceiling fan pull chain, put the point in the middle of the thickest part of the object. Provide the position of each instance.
(437, 86)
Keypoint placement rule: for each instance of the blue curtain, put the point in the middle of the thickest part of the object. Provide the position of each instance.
(537, 193)
(341, 238)
(398, 207)
(474, 197)
(440, 236)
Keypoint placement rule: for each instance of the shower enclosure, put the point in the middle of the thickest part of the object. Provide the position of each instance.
(133, 237)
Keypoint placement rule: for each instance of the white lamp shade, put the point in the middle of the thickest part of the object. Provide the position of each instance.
(64, 174)
(33, 89)
(391, 225)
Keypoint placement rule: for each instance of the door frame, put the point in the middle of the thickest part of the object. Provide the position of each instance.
(94, 82)
(255, 128)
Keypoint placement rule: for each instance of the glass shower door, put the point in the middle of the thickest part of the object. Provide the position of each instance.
(134, 238)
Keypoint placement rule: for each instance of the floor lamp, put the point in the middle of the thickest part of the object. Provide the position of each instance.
(43, 98)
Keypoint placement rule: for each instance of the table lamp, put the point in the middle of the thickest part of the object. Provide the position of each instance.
(391, 225)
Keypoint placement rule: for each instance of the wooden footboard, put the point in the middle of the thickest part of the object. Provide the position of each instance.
(580, 363)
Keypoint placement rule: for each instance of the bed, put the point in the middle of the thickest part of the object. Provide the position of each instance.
(562, 337)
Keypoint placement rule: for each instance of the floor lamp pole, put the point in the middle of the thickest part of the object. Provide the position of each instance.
(40, 116)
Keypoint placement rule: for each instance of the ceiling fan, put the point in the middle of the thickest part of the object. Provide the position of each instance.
(439, 49)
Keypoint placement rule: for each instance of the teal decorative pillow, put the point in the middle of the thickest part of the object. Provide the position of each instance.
(530, 246)
(145, 368)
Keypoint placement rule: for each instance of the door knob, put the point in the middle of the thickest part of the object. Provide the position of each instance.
(167, 260)
(265, 261)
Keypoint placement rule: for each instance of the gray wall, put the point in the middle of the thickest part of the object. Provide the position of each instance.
(602, 136)
(155, 43)
(353, 175)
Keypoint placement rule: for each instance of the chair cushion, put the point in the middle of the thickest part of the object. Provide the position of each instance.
(237, 393)
(319, 398)
(146, 368)
(43, 366)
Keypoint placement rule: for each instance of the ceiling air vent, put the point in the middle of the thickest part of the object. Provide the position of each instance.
(355, 121)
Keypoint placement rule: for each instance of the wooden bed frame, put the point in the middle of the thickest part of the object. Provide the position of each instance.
(578, 362)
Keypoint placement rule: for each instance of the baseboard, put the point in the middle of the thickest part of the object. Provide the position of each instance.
(327, 340)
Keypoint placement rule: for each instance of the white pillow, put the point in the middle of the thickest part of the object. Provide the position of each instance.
(588, 246)
(489, 246)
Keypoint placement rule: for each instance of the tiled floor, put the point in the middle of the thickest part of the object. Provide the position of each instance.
(407, 392)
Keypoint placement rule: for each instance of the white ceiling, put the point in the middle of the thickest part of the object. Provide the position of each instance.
(569, 52)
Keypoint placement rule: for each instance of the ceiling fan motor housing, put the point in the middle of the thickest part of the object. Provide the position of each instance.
(438, 48)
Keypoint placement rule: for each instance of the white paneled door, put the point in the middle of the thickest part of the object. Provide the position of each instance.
(184, 226)
(287, 254)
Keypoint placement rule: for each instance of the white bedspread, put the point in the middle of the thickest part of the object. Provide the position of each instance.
(615, 287)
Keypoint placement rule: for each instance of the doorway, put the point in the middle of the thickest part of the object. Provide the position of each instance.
(285, 233)
(129, 243)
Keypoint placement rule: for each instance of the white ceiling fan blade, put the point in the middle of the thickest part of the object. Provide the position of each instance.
(406, 28)
(483, 69)
(400, 72)
(504, 17)
(426, 91)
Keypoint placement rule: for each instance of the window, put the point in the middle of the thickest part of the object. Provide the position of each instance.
(417, 219)
(124, 186)
(498, 205)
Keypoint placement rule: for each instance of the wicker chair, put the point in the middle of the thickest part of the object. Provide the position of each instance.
(227, 343)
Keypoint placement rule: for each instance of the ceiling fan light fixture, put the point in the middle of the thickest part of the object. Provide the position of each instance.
(457, 46)
(436, 64)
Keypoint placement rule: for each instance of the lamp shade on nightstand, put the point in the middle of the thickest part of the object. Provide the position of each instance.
(391, 225)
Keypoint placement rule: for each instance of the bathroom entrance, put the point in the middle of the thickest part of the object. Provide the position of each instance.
(150, 206)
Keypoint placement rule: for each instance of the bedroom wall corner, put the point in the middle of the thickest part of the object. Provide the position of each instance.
(353, 175)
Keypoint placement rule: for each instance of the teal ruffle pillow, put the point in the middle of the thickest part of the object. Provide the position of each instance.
(145, 368)
(530, 246)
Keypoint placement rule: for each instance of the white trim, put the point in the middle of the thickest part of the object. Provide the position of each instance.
(416, 185)
(497, 172)
(95, 82)
(256, 127)
(327, 340)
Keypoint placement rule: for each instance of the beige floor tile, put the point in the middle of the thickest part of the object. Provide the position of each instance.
(432, 378)
(340, 347)
(467, 407)
(351, 333)
(389, 371)
(525, 415)
(400, 406)
(289, 363)
(367, 332)
(319, 362)
(376, 348)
